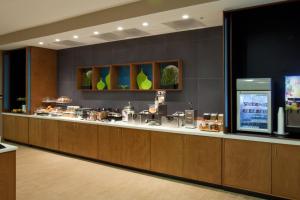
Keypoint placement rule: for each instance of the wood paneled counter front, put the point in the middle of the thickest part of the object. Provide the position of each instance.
(8, 172)
(262, 165)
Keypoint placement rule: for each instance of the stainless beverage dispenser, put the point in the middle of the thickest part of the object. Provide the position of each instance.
(190, 117)
(254, 105)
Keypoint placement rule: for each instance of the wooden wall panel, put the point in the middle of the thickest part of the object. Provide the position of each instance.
(43, 75)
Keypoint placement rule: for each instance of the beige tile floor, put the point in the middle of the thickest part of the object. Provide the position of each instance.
(43, 175)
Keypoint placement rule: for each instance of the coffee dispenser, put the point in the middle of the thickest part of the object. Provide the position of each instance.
(190, 117)
(158, 109)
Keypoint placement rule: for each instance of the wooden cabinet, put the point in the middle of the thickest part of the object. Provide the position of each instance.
(136, 148)
(8, 127)
(202, 158)
(109, 144)
(167, 153)
(286, 171)
(15, 128)
(78, 138)
(21, 129)
(35, 132)
(66, 136)
(86, 140)
(43, 133)
(247, 165)
(8, 175)
(128, 147)
(266, 168)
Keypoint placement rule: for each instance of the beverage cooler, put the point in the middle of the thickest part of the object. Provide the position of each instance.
(254, 105)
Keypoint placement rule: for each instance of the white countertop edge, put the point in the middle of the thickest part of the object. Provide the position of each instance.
(186, 131)
(8, 148)
(266, 139)
(16, 114)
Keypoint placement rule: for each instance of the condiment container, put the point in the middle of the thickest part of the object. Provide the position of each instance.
(126, 111)
(190, 118)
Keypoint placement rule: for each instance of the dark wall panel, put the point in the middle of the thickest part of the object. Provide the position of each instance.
(266, 44)
(200, 51)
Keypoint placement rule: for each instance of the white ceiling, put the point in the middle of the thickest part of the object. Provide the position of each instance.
(21, 14)
(210, 14)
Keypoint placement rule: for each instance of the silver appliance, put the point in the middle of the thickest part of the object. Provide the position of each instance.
(175, 120)
(138, 118)
(254, 105)
(127, 110)
(190, 119)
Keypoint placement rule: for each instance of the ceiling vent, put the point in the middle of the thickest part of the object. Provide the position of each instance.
(121, 35)
(184, 24)
(69, 43)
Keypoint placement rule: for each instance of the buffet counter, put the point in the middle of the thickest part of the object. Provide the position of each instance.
(8, 172)
(8, 148)
(263, 165)
(196, 131)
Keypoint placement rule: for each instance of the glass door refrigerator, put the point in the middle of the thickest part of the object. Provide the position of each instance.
(254, 105)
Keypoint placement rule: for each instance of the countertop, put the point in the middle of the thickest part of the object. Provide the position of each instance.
(197, 132)
(8, 148)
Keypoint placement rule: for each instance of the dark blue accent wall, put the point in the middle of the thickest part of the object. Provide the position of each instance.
(265, 43)
(200, 51)
(6, 82)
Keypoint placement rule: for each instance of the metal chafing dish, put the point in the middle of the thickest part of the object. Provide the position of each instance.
(175, 120)
(114, 115)
(145, 117)
(82, 112)
(127, 110)
(138, 118)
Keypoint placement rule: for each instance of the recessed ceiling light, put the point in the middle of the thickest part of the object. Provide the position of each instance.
(185, 16)
(41, 43)
(75, 36)
(145, 24)
(120, 28)
(96, 33)
(57, 40)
